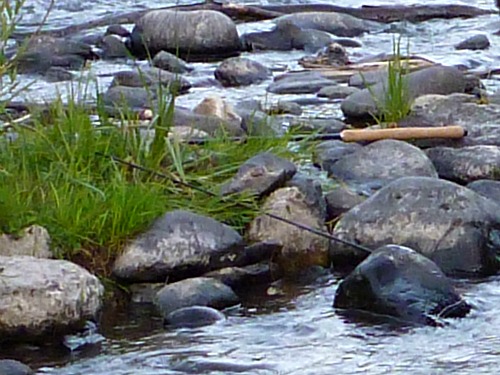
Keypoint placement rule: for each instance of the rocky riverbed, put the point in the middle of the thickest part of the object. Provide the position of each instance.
(281, 297)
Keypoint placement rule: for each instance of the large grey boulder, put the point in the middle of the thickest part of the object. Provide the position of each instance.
(466, 164)
(453, 226)
(238, 71)
(260, 175)
(340, 24)
(370, 102)
(33, 241)
(397, 281)
(198, 291)
(12, 367)
(179, 244)
(45, 296)
(380, 163)
(194, 35)
(300, 249)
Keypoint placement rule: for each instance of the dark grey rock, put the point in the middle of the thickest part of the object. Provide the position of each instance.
(453, 226)
(239, 71)
(193, 316)
(117, 30)
(380, 163)
(178, 244)
(127, 97)
(199, 291)
(341, 199)
(435, 80)
(285, 107)
(313, 192)
(12, 367)
(184, 37)
(113, 47)
(368, 78)
(339, 24)
(347, 42)
(144, 292)
(316, 125)
(399, 282)
(487, 188)
(212, 125)
(58, 74)
(170, 62)
(466, 164)
(301, 83)
(328, 153)
(260, 175)
(151, 77)
(336, 92)
(243, 278)
(475, 42)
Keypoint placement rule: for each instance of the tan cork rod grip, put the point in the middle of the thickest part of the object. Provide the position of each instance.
(453, 131)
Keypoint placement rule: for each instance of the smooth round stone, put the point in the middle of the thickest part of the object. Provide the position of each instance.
(194, 316)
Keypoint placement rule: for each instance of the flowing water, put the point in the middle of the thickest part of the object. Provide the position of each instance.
(295, 331)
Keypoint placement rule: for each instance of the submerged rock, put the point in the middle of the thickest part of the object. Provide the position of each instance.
(199, 291)
(238, 71)
(12, 367)
(193, 316)
(453, 226)
(178, 244)
(474, 43)
(194, 36)
(260, 175)
(300, 249)
(399, 282)
(45, 297)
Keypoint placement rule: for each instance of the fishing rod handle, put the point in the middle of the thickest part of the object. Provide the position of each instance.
(452, 131)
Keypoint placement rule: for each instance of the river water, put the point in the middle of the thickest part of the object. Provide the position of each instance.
(294, 331)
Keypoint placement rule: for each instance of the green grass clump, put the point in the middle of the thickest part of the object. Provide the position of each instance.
(55, 175)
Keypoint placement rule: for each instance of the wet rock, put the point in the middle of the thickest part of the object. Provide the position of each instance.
(33, 241)
(193, 36)
(332, 55)
(199, 291)
(58, 74)
(339, 24)
(328, 153)
(347, 42)
(476, 42)
(487, 188)
(244, 277)
(301, 83)
(169, 62)
(214, 105)
(313, 192)
(300, 249)
(178, 244)
(117, 30)
(368, 78)
(260, 175)
(285, 107)
(341, 199)
(336, 92)
(285, 37)
(212, 125)
(151, 77)
(399, 282)
(113, 47)
(45, 297)
(193, 316)
(453, 226)
(127, 97)
(239, 71)
(316, 125)
(372, 167)
(466, 164)
(44, 52)
(144, 292)
(434, 80)
(12, 367)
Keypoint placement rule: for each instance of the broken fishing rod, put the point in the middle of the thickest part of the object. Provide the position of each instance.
(241, 204)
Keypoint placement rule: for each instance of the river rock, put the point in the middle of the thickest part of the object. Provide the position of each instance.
(214, 105)
(239, 71)
(434, 80)
(199, 291)
(299, 83)
(33, 241)
(476, 42)
(58, 74)
(211, 125)
(113, 47)
(284, 107)
(339, 24)
(300, 249)
(312, 190)
(380, 163)
(317, 125)
(241, 278)
(397, 281)
(466, 164)
(169, 62)
(368, 78)
(450, 224)
(336, 92)
(151, 77)
(341, 199)
(260, 175)
(193, 316)
(327, 153)
(178, 244)
(286, 36)
(144, 292)
(126, 97)
(118, 30)
(12, 367)
(487, 188)
(193, 36)
(45, 296)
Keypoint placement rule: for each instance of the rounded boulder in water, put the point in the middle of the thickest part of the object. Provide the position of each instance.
(12, 367)
(193, 316)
